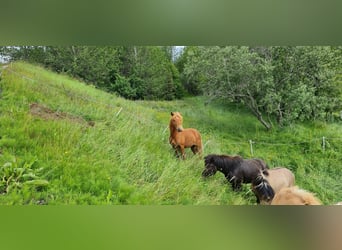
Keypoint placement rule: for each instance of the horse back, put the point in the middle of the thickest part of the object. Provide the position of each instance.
(280, 177)
(251, 168)
(189, 137)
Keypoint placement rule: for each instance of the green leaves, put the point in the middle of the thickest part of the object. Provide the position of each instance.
(285, 83)
(233, 73)
(133, 72)
(15, 176)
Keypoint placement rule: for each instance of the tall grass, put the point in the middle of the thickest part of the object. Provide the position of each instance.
(125, 157)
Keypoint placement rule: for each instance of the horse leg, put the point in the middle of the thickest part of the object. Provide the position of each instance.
(182, 152)
(194, 149)
(176, 153)
(236, 185)
(176, 149)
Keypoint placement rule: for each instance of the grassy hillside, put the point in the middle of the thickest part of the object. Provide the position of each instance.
(64, 142)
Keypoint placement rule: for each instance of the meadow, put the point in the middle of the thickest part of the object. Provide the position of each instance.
(65, 142)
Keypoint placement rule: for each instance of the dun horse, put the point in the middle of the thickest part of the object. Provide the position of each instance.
(294, 196)
(265, 187)
(235, 168)
(181, 138)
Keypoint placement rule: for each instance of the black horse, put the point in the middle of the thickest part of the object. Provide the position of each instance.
(236, 169)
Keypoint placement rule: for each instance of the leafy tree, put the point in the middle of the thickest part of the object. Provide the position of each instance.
(289, 83)
(134, 72)
(33, 54)
(151, 73)
(304, 83)
(232, 73)
(190, 79)
(96, 65)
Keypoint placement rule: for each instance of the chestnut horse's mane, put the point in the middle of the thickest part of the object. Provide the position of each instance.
(295, 196)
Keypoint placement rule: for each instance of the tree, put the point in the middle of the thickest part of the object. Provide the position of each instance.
(33, 54)
(288, 83)
(134, 72)
(304, 83)
(232, 73)
(191, 80)
(150, 71)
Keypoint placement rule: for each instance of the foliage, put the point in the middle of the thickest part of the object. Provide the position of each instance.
(304, 83)
(134, 72)
(151, 73)
(14, 176)
(191, 81)
(288, 83)
(234, 73)
(125, 156)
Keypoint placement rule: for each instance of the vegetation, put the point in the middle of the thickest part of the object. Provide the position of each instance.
(133, 72)
(66, 142)
(282, 83)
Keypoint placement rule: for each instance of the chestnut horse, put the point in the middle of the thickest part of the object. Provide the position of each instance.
(294, 196)
(236, 169)
(181, 138)
(265, 187)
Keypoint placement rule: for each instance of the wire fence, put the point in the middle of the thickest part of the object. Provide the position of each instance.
(323, 141)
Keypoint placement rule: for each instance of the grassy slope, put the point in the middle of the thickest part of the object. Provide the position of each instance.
(126, 159)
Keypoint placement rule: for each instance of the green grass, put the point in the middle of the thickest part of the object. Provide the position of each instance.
(125, 157)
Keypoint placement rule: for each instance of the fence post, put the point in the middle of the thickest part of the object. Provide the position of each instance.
(118, 112)
(251, 147)
(323, 143)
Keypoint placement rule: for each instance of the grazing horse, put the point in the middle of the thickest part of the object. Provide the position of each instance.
(236, 169)
(294, 196)
(265, 187)
(181, 138)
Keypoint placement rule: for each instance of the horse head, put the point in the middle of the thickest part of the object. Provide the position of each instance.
(263, 190)
(176, 121)
(210, 169)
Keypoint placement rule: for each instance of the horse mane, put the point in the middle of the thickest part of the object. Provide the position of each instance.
(288, 196)
(264, 170)
(174, 114)
(309, 198)
(222, 161)
(263, 187)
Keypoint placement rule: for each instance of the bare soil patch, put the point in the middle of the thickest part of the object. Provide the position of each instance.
(45, 113)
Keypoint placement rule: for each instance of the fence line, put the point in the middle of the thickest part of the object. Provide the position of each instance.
(324, 142)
